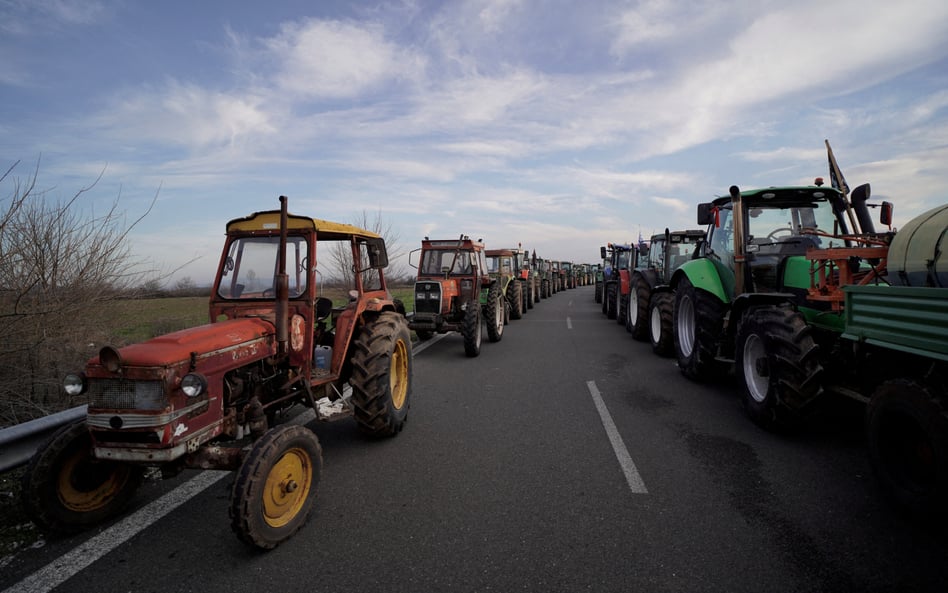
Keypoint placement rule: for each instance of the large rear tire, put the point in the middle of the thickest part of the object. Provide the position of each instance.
(382, 375)
(598, 292)
(494, 313)
(65, 489)
(777, 365)
(276, 486)
(907, 433)
(697, 322)
(661, 310)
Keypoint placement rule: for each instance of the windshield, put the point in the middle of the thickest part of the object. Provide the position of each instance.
(251, 267)
(437, 262)
(776, 224)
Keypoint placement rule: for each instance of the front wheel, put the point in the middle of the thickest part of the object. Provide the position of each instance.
(777, 365)
(611, 297)
(65, 489)
(381, 375)
(471, 329)
(276, 486)
(638, 321)
(515, 299)
(661, 310)
(697, 323)
(494, 313)
(907, 433)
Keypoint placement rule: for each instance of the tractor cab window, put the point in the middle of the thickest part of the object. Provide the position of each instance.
(251, 266)
(790, 225)
(438, 262)
(656, 256)
(721, 239)
(371, 276)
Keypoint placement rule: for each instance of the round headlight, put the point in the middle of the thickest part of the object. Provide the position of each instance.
(74, 384)
(110, 358)
(193, 384)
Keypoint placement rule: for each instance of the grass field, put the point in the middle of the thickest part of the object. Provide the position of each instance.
(136, 320)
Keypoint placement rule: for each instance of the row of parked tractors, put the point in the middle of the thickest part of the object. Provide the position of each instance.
(793, 292)
(461, 285)
(217, 396)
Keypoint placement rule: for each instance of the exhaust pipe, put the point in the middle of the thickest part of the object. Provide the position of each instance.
(282, 287)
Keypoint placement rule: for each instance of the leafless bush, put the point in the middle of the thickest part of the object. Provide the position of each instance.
(58, 266)
(340, 254)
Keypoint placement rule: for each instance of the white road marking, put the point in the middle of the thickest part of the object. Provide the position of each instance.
(636, 485)
(569, 323)
(420, 346)
(65, 567)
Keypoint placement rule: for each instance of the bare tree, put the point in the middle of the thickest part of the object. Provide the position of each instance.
(58, 266)
(340, 255)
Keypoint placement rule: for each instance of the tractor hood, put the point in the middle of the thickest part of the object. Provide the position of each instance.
(179, 346)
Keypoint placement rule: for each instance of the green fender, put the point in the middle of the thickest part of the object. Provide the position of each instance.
(703, 274)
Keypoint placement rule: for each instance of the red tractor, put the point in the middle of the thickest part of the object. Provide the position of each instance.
(208, 397)
(454, 292)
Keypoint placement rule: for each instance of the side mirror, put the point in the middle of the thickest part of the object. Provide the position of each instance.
(706, 213)
(885, 213)
(411, 257)
(378, 257)
(602, 251)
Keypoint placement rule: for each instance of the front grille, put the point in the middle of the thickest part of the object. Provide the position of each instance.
(427, 297)
(127, 437)
(125, 394)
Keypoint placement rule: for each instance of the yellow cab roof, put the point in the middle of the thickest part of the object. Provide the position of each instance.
(269, 221)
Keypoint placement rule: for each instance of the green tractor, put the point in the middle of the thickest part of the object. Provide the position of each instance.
(745, 298)
(651, 300)
(501, 264)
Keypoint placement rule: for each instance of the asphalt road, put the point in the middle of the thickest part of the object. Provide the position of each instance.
(510, 477)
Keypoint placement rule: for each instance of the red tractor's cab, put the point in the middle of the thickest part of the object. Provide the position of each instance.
(452, 287)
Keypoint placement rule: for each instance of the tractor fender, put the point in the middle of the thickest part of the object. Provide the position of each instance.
(702, 274)
(746, 302)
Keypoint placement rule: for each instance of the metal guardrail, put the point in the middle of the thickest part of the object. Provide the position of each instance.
(18, 443)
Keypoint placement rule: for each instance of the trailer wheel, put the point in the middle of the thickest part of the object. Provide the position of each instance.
(495, 313)
(515, 298)
(697, 321)
(661, 310)
(276, 486)
(65, 489)
(776, 359)
(907, 432)
(382, 375)
(638, 319)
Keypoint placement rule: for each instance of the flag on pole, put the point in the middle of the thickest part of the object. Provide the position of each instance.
(836, 175)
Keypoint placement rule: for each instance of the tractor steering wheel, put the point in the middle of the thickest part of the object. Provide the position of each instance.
(774, 233)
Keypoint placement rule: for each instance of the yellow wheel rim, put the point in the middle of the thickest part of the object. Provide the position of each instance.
(287, 488)
(84, 486)
(398, 375)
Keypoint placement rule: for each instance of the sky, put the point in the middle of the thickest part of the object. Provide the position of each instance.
(558, 125)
